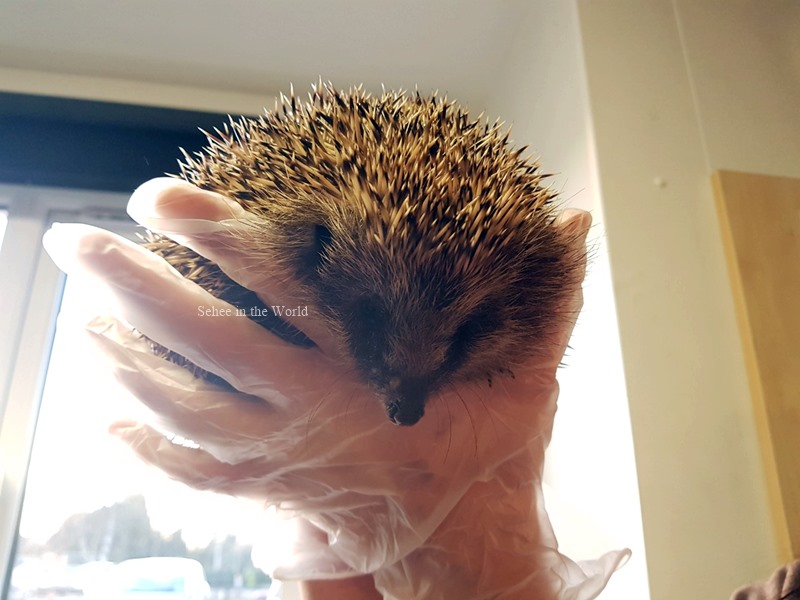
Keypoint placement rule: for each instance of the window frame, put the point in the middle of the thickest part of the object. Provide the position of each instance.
(32, 289)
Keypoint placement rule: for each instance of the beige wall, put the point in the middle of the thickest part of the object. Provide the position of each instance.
(743, 59)
(676, 90)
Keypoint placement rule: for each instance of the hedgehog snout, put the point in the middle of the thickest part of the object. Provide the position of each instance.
(405, 401)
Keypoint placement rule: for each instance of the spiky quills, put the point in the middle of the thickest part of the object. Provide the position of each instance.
(424, 239)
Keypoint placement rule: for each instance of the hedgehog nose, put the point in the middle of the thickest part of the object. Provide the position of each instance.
(406, 402)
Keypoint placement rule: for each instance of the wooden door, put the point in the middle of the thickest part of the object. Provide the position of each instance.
(760, 219)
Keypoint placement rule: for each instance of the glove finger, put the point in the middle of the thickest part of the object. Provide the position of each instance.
(186, 463)
(232, 426)
(238, 426)
(181, 316)
(220, 230)
(189, 462)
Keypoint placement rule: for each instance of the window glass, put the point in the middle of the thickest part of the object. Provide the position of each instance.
(91, 506)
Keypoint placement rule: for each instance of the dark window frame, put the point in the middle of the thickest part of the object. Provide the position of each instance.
(86, 144)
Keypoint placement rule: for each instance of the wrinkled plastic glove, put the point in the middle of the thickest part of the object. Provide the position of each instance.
(449, 508)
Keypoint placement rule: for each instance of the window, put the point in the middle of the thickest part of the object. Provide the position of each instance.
(90, 506)
(82, 490)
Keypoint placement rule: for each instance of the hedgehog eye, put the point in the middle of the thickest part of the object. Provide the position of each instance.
(468, 335)
(462, 342)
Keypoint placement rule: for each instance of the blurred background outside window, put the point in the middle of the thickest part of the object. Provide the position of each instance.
(92, 509)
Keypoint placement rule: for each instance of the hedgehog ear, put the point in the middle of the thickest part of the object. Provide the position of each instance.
(311, 244)
(574, 223)
(321, 242)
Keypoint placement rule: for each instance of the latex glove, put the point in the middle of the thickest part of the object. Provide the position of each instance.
(449, 508)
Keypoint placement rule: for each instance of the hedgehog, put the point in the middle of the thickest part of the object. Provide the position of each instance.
(425, 242)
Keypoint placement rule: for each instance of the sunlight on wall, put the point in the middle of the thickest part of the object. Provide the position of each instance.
(591, 487)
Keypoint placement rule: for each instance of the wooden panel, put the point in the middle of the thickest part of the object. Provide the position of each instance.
(760, 219)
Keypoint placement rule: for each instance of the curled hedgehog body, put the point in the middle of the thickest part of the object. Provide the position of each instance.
(427, 245)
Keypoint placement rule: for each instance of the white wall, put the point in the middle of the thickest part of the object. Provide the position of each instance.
(677, 89)
(109, 89)
(591, 486)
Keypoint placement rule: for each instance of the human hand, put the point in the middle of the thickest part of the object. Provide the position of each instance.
(448, 508)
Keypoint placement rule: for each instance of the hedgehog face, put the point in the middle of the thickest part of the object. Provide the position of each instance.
(406, 348)
(373, 332)
(412, 327)
(409, 350)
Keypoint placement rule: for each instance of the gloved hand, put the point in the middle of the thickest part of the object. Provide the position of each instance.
(449, 508)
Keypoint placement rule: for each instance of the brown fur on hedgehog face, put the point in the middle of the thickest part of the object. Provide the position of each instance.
(425, 242)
